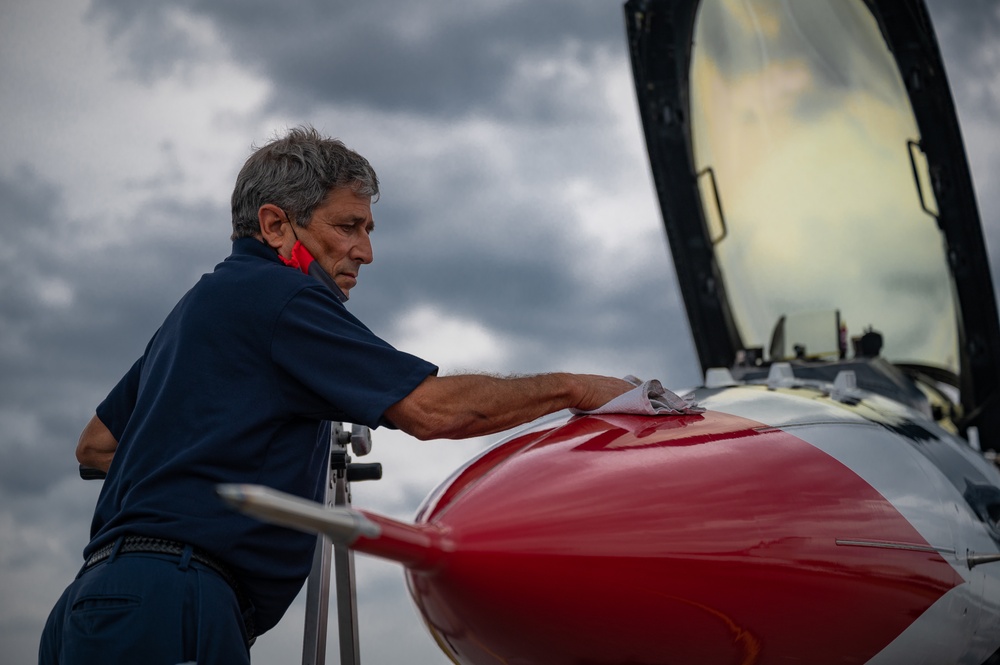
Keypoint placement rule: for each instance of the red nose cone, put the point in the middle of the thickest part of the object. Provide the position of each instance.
(694, 539)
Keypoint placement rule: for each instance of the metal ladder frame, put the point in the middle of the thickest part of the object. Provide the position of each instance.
(340, 473)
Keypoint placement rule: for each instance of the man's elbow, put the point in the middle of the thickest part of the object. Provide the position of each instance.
(94, 458)
(423, 428)
(86, 454)
(425, 424)
(96, 446)
(439, 408)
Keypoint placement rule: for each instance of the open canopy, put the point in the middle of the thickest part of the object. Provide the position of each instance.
(814, 186)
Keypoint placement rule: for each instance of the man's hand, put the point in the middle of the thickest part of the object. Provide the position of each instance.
(599, 390)
(458, 407)
(97, 445)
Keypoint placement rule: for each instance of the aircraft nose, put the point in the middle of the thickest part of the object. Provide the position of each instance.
(682, 554)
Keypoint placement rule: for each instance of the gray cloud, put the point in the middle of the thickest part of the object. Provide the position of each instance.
(75, 308)
(967, 34)
(444, 57)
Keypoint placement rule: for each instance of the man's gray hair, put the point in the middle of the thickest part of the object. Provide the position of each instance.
(296, 172)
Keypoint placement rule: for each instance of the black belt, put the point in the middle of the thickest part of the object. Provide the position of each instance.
(135, 544)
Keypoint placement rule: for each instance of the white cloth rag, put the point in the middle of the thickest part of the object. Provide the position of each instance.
(648, 398)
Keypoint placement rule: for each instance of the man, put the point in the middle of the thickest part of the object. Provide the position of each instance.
(233, 388)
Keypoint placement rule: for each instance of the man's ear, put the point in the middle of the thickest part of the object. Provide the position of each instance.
(272, 226)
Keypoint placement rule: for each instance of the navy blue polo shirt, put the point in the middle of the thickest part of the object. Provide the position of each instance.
(233, 388)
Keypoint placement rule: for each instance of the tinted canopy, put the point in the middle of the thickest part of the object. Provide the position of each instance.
(814, 185)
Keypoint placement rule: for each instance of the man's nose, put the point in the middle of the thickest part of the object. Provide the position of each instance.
(363, 249)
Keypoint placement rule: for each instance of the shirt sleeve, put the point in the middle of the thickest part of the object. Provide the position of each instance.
(339, 369)
(117, 407)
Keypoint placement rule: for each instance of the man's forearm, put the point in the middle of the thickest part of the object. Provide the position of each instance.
(97, 445)
(458, 407)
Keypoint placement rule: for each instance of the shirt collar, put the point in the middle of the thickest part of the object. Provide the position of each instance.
(254, 247)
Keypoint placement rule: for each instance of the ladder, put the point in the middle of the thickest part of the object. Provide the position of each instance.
(340, 472)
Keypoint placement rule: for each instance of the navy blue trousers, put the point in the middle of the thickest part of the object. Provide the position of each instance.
(153, 609)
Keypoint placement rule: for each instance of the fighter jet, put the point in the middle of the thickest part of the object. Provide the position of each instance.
(836, 500)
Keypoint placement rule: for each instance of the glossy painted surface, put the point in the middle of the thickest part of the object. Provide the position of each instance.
(691, 539)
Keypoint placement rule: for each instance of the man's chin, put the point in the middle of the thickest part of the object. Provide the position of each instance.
(346, 283)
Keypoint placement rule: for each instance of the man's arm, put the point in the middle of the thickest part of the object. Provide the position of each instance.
(458, 407)
(97, 445)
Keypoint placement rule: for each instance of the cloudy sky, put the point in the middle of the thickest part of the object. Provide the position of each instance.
(517, 229)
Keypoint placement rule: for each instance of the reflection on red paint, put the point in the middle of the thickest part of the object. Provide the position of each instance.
(715, 543)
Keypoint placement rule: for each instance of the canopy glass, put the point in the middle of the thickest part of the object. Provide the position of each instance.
(814, 187)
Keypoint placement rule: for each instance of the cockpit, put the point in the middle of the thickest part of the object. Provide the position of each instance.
(810, 168)
(816, 196)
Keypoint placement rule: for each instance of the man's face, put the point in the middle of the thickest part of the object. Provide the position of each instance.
(338, 235)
